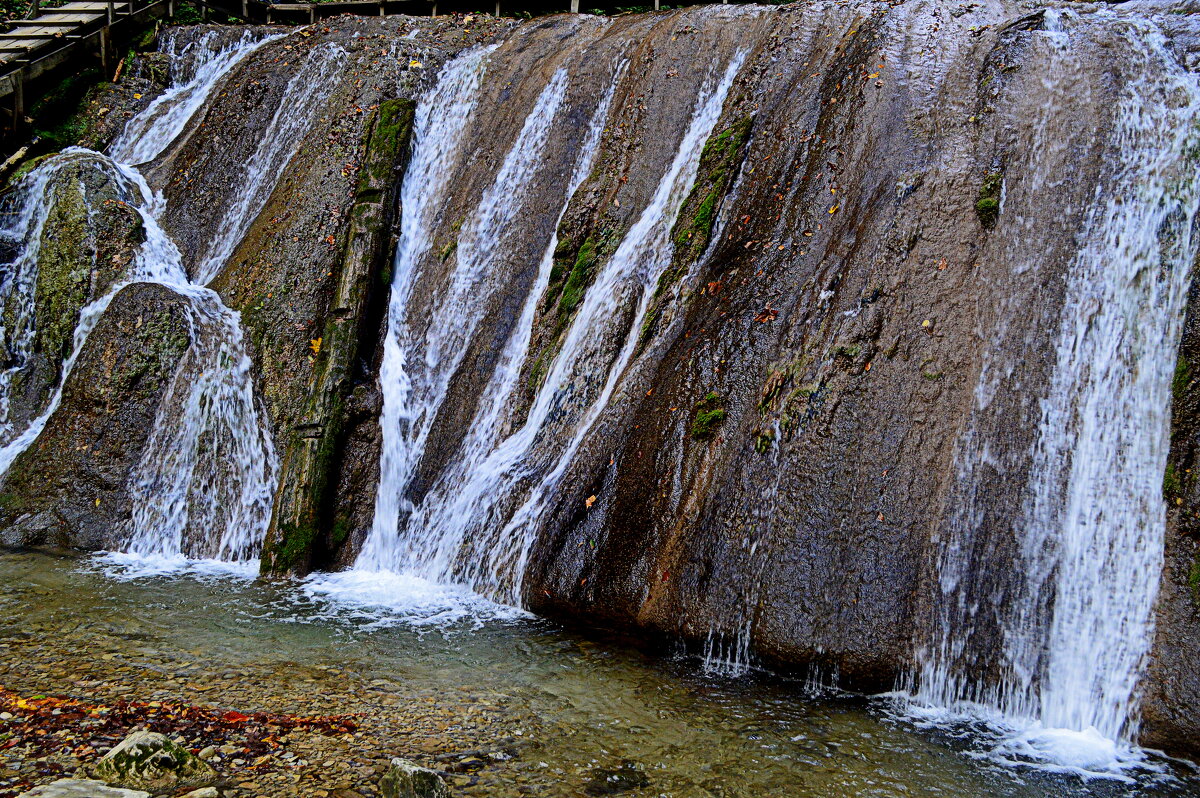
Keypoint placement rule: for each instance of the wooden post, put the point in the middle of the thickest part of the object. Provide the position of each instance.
(204, 12)
(35, 9)
(497, 8)
(434, 12)
(170, 9)
(245, 10)
(656, 5)
(574, 6)
(312, 13)
(111, 12)
(18, 100)
(104, 50)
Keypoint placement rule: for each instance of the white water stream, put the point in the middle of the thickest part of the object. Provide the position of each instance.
(476, 524)
(1090, 543)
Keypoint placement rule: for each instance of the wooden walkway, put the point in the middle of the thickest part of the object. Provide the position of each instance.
(55, 42)
(74, 35)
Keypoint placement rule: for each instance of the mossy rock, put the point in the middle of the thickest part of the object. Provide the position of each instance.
(987, 206)
(709, 415)
(406, 779)
(150, 761)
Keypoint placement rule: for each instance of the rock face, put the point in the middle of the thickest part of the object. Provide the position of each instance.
(150, 761)
(312, 454)
(405, 779)
(87, 240)
(82, 788)
(59, 492)
(1172, 688)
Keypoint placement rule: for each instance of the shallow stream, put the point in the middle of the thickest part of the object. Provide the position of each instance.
(438, 681)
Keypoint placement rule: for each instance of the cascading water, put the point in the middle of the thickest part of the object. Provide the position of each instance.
(435, 531)
(476, 525)
(197, 67)
(205, 482)
(302, 99)
(1079, 625)
(438, 126)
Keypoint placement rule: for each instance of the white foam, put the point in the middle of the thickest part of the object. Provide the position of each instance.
(126, 566)
(387, 598)
(1001, 739)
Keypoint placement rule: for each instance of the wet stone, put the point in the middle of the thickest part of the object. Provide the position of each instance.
(82, 788)
(615, 781)
(151, 761)
(405, 779)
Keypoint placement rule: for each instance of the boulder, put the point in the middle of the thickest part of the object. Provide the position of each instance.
(71, 486)
(90, 238)
(148, 760)
(406, 779)
(82, 788)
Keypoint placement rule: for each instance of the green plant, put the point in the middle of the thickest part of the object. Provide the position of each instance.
(1182, 378)
(1171, 485)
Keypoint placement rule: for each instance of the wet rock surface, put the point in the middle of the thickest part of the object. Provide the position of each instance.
(88, 240)
(57, 492)
(82, 788)
(1171, 720)
(405, 779)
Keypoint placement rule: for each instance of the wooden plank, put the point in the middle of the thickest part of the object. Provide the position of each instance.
(38, 24)
(67, 19)
(30, 35)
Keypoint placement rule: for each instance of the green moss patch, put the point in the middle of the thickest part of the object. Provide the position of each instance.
(987, 206)
(709, 415)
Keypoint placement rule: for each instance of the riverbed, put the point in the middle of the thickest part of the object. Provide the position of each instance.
(506, 704)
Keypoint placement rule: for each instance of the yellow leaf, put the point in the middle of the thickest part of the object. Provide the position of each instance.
(315, 344)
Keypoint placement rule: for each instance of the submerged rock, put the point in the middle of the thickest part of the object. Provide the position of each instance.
(82, 788)
(150, 761)
(605, 781)
(405, 779)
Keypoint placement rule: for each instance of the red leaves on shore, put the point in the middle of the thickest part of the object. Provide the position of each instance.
(68, 726)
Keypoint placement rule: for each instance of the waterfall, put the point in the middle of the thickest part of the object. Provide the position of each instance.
(204, 485)
(196, 69)
(306, 92)
(437, 130)
(476, 524)
(24, 227)
(35, 198)
(435, 531)
(1088, 559)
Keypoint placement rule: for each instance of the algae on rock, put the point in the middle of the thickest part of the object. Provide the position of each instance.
(301, 505)
(150, 761)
